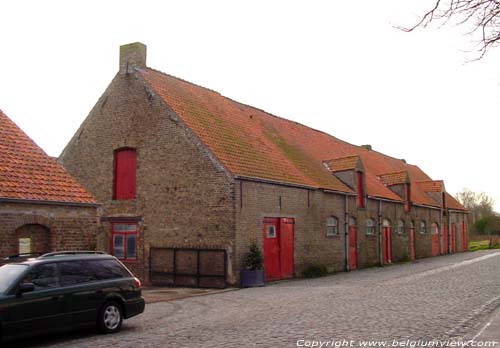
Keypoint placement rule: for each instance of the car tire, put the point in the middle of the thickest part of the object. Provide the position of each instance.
(110, 317)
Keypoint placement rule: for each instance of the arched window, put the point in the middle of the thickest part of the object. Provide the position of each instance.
(370, 227)
(332, 226)
(125, 174)
(352, 222)
(434, 228)
(401, 227)
(423, 227)
(386, 223)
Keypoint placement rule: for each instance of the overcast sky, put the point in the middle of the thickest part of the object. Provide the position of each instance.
(337, 66)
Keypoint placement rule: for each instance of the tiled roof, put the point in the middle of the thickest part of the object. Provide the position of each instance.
(390, 179)
(343, 163)
(27, 173)
(250, 142)
(432, 185)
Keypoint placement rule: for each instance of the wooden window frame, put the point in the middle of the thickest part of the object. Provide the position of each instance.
(125, 235)
(370, 230)
(332, 229)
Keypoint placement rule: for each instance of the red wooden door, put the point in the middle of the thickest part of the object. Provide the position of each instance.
(353, 247)
(434, 240)
(387, 244)
(286, 233)
(453, 238)
(278, 248)
(271, 249)
(412, 242)
(465, 245)
(445, 239)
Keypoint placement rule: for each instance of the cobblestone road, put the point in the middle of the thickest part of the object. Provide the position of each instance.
(434, 298)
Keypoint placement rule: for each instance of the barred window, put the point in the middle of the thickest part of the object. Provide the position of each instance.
(370, 227)
(332, 226)
(423, 227)
(401, 227)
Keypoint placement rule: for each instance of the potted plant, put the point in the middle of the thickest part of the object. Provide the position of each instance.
(252, 273)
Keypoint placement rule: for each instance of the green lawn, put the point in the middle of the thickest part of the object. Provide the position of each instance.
(482, 245)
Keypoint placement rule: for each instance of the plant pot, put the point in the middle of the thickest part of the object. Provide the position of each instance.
(252, 277)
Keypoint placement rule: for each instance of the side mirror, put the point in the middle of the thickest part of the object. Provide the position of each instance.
(26, 287)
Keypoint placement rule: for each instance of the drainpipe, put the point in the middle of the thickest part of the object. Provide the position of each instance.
(450, 247)
(380, 246)
(346, 233)
(441, 227)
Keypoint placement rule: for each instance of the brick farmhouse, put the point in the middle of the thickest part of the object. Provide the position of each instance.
(42, 207)
(179, 166)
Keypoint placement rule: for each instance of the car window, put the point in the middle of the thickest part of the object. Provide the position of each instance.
(43, 276)
(106, 269)
(8, 274)
(75, 272)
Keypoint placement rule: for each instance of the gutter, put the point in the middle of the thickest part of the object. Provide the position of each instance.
(40, 202)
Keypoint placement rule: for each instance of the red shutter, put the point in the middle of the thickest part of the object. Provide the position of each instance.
(361, 190)
(125, 176)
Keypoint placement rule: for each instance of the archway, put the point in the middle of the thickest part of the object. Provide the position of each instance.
(32, 238)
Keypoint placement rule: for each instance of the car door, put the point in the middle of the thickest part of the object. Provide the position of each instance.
(82, 291)
(41, 309)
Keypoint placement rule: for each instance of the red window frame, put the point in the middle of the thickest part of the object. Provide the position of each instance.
(361, 190)
(125, 230)
(124, 178)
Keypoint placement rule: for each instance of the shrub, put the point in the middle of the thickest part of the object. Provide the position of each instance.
(253, 259)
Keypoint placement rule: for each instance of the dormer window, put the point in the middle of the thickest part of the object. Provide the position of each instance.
(125, 174)
(361, 189)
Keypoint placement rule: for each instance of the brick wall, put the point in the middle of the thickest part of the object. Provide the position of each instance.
(50, 227)
(184, 197)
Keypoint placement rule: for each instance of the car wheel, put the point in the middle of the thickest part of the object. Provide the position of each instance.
(110, 317)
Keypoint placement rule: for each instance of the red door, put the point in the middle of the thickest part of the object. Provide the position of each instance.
(278, 248)
(271, 249)
(412, 242)
(453, 238)
(387, 242)
(353, 245)
(286, 248)
(435, 240)
(445, 239)
(464, 237)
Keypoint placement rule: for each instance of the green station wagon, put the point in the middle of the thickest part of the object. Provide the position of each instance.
(64, 290)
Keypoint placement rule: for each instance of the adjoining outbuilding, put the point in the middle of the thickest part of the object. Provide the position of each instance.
(42, 207)
(189, 179)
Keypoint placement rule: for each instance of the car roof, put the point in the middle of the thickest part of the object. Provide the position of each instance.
(51, 257)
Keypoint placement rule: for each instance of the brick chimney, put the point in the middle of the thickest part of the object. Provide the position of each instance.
(131, 56)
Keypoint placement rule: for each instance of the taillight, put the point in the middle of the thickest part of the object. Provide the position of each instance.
(137, 282)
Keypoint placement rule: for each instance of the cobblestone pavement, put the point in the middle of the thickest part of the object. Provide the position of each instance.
(435, 298)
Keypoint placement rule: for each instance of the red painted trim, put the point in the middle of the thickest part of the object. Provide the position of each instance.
(124, 234)
(124, 183)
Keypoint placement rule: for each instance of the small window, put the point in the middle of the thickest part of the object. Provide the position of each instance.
(332, 226)
(370, 227)
(434, 228)
(401, 227)
(124, 241)
(271, 231)
(423, 227)
(24, 245)
(43, 277)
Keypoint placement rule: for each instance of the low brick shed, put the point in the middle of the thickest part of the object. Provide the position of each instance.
(42, 208)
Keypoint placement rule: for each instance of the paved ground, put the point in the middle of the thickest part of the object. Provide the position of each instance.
(439, 298)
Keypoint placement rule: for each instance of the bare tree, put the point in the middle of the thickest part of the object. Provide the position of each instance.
(480, 205)
(481, 17)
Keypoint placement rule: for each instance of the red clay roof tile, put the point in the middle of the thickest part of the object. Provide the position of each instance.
(251, 142)
(27, 173)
